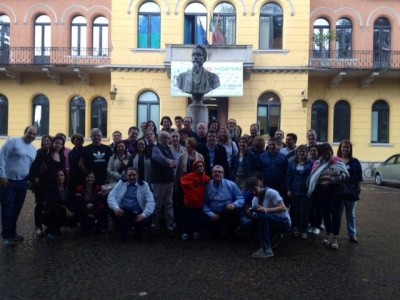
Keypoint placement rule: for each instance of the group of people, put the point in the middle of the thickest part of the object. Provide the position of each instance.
(213, 180)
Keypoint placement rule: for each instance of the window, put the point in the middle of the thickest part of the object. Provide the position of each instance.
(224, 25)
(41, 112)
(78, 36)
(4, 39)
(269, 113)
(380, 122)
(321, 38)
(341, 122)
(42, 40)
(99, 115)
(343, 38)
(149, 29)
(3, 115)
(77, 110)
(100, 37)
(271, 24)
(319, 120)
(148, 108)
(195, 31)
(382, 43)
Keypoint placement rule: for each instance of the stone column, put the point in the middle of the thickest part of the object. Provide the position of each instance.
(198, 110)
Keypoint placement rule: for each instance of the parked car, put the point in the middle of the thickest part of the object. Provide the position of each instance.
(388, 171)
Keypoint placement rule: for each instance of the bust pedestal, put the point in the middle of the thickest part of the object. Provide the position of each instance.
(198, 110)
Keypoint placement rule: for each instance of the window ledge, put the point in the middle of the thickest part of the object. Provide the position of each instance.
(272, 51)
(380, 145)
(151, 50)
(3, 137)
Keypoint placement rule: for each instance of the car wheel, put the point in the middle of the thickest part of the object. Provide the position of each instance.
(378, 179)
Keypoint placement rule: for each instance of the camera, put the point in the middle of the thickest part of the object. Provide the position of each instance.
(253, 212)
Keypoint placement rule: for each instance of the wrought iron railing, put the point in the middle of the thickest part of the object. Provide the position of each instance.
(378, 60)
(54, 56)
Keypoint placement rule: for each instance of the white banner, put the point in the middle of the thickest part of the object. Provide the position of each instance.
(230, 77)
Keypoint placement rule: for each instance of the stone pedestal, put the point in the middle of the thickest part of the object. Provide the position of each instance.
(198, 111)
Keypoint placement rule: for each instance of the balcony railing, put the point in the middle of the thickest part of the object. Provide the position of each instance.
(378, 60)
(54, 56)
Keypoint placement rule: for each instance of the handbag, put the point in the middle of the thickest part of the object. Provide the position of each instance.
(345, 191)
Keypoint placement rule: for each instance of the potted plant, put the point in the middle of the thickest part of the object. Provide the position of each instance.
(321, 42)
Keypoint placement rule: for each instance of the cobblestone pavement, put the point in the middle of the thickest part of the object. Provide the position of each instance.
(160, 267)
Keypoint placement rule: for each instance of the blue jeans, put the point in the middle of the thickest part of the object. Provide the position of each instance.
(269, 225)
(12, 199)
(350, 209)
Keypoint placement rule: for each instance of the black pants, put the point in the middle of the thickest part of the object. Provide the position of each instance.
(127, 221)
(229, 220)
(191, 219)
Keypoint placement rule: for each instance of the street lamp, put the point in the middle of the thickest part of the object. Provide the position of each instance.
(113, 93)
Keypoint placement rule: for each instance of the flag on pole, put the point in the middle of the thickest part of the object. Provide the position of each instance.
(218, 37)
(201, 34)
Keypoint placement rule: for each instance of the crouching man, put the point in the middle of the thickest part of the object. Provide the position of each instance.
(270, 216)
(132, 203)
(223, 204)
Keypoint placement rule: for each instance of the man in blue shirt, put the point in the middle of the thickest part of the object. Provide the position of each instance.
(274, 166)
(132, 203)
(223, 203)
(16, 158)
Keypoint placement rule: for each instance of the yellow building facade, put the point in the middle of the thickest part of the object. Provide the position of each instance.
(287, 84)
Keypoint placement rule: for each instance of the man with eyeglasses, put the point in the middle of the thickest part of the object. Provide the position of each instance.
(117, 137)
(222, 204)
(16, 158)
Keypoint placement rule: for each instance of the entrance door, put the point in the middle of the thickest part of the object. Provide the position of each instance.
(217, 109)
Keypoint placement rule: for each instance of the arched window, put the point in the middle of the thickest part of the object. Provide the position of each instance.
(224, 25)
(42, 40)
(149, 29)
(269, 113)
(148, 108)
(41, 114)
(195, 24)
(271, 26)
(4, 39)
(382, 43)
(77, 111)
(341, 121)
(3, 115)
(319, 120)
(344, 38)
(321, 38)
(380, 122)
(99, 115)
(78, 36)
(100, 37)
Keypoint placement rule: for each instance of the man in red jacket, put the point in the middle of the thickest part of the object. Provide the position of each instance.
(193, 186)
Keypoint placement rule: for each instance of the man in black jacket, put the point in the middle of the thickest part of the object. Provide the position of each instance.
(214, 154)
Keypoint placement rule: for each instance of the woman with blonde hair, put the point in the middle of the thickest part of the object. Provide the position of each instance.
(224, 139)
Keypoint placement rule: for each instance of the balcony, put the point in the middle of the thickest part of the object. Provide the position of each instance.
(54, 56)
(355, 60)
